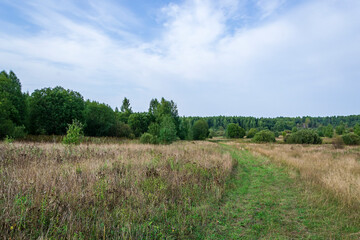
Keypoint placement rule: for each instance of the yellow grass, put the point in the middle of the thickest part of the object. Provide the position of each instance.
(336, 170)
(122, 188)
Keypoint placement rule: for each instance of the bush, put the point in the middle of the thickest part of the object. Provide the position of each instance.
(251, 133)
(146, 138)
(74, 133)
(304, 136)
(338, 143)
(19, 132)
(351, 139)
(200, 130)
(234, 131)
(264, 136)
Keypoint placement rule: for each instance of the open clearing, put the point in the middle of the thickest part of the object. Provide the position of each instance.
(187, 190)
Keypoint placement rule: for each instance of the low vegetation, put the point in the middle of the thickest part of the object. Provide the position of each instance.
(303, 136)
(264, 136)
(109, 191)
(336, 171)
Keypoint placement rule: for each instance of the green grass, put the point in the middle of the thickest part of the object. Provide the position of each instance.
(263, 202)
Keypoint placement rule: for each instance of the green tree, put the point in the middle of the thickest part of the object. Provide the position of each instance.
(329, 131)
(126, 111)
(13, 109)
(234, 131)
(200, 130)
(340, 130)
(100, 120)
(139, 123)
(167, 130)
(52, 109)
(357, 129)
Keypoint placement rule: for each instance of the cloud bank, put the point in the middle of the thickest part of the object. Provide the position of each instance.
(258, 58)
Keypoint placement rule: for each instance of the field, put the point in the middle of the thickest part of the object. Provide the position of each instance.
(186, 190)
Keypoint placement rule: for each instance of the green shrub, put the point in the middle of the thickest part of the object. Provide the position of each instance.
(264, 136)
(351, 139)
(200, 130)
(19, 132)
(234, 131)
(304, 136)
(146, 138)
(251, 133)
(74, 133)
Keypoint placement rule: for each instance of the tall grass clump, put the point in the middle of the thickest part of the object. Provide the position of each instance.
(112, 191)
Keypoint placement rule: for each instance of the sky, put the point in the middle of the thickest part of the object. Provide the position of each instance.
(262, 58)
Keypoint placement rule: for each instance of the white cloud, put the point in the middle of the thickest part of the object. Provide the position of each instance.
(299, 57)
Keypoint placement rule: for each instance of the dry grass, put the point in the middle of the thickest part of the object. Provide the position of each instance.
(114, 191)
(336, 170)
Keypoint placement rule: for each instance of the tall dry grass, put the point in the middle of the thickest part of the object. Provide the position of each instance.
(336, 170)
(108, 191)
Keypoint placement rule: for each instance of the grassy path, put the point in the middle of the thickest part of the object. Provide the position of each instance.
(263, 202)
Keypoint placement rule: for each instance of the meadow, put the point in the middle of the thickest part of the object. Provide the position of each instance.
(187, 190)
(95, 191)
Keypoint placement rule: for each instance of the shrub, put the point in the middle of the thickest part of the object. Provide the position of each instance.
(251, 133)
(200, 130)
(146, 138)
(74, 133)
(304, 136)
(338, 143)
(351, 139)
(19, 132)
(234, 131)
(264, 136)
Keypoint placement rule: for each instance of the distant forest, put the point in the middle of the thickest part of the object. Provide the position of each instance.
(49, 111)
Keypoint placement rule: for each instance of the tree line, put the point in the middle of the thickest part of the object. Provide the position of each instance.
(49, 111)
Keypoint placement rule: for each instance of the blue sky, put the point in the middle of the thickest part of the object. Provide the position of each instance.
(230, 57)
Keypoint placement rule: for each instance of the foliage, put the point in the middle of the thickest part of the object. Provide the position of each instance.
(340, 130)
(251, 133)
(122, 130)
(357, 129)
(303, 136)
(294, 129)
(234, 131)
(126, 111)
(74, 133)
(351, 139)
(100, 120)
(167, 130)
(146, 138)
(200, 130)
(52, 109)
(329, 131)
(139, 123)
(19, 132)
(13, 111)
(264, 136)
